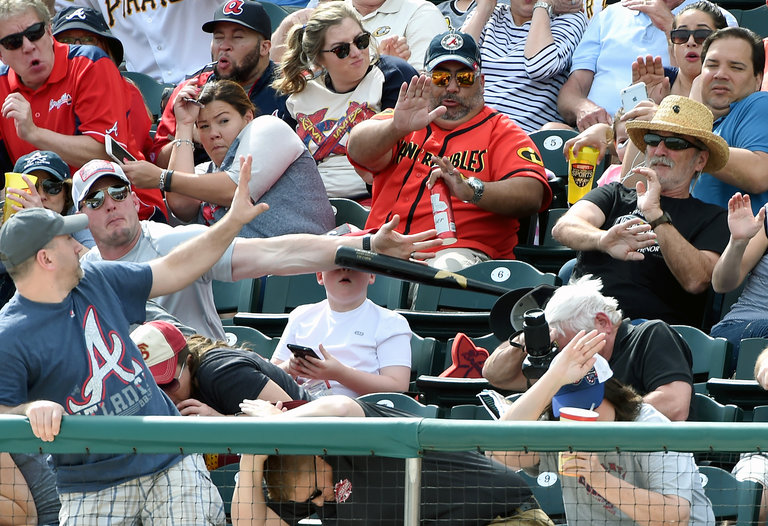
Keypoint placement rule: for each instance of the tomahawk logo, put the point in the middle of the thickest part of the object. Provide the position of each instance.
(104, 354)
(234, 7)
(78, 13)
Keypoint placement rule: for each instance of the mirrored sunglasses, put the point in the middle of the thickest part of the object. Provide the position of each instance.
(96, 199)
(33, 34)
(681, 36)
(673, 143)
(443, 78)
(361, 41)
(51, 187)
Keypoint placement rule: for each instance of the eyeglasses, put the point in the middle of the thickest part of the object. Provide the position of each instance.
(51, 187)
(96, 199)
(681, 36)
(80, 41)
(361, 42)
(673, 143)
(15, 40)
(443, 78)
(173, 385)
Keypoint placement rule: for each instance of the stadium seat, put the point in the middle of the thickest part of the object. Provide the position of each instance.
(749, 350)
(224, 479)
(349, 211)
(550, 144)
(732, 499)
(282, 294)
(711, 356)
(548, 254)
(469, 412)
(756, 19)
(239, 336)
(550, 498)
(150, 89)
(706, 409)
(423, 352)
(401, 401)
(506, 273)
(236, 296)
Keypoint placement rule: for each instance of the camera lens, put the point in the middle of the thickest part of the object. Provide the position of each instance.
(536, 330)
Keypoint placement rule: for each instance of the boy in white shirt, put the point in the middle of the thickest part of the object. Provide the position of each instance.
(365, 348)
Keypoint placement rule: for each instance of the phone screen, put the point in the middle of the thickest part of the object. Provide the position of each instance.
(117, 152)
(300, 351)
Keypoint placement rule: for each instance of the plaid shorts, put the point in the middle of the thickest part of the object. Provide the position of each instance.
(182, 495)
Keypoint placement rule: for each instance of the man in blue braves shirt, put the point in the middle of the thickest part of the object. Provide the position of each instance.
(67, 351)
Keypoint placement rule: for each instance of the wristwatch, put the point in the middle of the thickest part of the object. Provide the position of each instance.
(661, 220)
(545, 5)
(478, 187)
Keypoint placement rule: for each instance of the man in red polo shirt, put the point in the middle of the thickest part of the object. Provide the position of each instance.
(58, 97)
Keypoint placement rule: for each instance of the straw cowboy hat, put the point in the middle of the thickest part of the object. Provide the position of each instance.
(683, 116)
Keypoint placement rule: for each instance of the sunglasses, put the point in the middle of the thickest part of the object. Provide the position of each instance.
(681, 36)
(80, 41)
(673, 143)
(463, 78)
(51, 187)
(173, 385)
(33, 34)
(96, 199)
(361, 42)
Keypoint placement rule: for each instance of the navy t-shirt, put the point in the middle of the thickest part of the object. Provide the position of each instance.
(78, 353)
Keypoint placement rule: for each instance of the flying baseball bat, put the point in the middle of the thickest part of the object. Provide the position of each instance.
(366, 261)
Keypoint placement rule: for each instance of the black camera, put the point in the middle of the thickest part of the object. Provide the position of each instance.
(540, 349)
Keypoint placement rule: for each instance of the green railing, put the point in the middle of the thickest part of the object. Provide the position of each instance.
(393, 437)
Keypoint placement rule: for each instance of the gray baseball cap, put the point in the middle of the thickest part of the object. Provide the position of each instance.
(29, 230)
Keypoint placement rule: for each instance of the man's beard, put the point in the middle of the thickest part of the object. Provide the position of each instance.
(466, 105)
(242, 71)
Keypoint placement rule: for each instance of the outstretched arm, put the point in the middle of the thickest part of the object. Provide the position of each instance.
(370, 143)
(190, 260)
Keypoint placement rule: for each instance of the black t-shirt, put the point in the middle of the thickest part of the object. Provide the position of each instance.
(226, 377)
(647, 288)
(649, 355)
(457, 488)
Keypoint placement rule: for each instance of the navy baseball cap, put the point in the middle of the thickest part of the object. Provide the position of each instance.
(244, 12)
(588, 392)
(42, 160)
(452, 46)
(86, 19)
(30, 229)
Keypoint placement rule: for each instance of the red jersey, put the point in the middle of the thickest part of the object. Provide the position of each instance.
(84, 95)
(489, 147)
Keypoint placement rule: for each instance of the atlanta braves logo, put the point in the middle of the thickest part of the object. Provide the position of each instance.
(105, 355)
(233, 7)
(77, 13)
(452, 41)
(330, 134)
(342, 489)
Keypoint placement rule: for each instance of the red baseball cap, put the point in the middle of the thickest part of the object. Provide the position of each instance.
(160, 343)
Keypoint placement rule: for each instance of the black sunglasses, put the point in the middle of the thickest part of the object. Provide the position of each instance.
(361, 42)
(15, 40)
(681, 36)
(116, 192)
(673, 143)
(51, 187)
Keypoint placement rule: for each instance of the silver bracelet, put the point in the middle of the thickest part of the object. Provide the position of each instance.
(161, 182)
(177, 142)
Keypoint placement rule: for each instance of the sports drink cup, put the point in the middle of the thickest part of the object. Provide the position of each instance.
(577, 414)
(14, 180)
(442, 211)
(581, 172)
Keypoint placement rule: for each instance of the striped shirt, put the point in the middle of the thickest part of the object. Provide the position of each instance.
(526, 89)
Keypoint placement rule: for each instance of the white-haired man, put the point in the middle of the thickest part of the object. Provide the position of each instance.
(650, 356)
